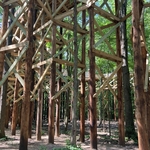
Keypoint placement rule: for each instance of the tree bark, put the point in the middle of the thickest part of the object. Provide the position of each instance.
(92, 88)
(139, 78)
(129, 119)
(28, 78)
(119, 88)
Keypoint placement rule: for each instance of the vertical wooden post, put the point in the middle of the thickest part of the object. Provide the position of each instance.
(6, 67)
(119, 88)
(92, 89)
(15, 106)
(52, 82)
(40, 90)
(75, 79)
(59, 98)
(82, 100)
(2, 56)
(28, 78)
(139, 78)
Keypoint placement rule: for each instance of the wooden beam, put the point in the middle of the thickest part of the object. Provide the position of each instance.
(108, 79)
(102, 34)
(68, 63)
(13, 46)
(20, 79)
(104, 78)
(13, 65)
(107, 34)
(107, 56)
(66, 86)
(70, 12)
(105, 14)
(69, 26)
(13, 23)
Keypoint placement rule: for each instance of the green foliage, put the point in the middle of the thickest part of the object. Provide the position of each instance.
(42, 147)
(4, 138)
(48, 45)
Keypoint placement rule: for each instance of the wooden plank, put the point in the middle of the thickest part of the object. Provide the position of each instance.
(13, 46)
(70, 12)
(48, 23)
(70, 26)
(108, 79)
(48, 61)
(107, 34)
(13, 65)
(60, 61)
(105, 55)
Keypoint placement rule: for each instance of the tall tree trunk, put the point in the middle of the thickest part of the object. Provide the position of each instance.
(129, 119)
(28, 79)
(52, 82)
(92, 88)
(140, 99)
(75, 81)
(2, 56)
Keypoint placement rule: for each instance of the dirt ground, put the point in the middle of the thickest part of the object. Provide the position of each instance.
(104, 139)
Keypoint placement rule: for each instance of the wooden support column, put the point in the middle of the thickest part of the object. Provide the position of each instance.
(140, 99)
(57, 128)
(2, 56)
(15, 105)
(40, 90)
(119, 88)
(28, 78)
(6, 68)
(75, 79)
(82, 99)
(52, 83)
(92, 89)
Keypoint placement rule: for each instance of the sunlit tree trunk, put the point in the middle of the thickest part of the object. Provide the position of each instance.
(129, 119)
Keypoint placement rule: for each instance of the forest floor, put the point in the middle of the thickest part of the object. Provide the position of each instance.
(105, 140)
